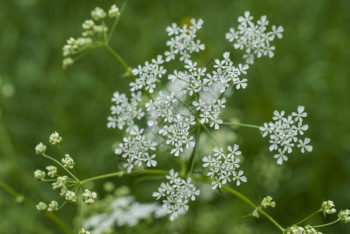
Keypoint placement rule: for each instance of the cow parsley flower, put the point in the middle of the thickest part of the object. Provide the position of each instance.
(177, 133)
(182, 40)
(176, 193)
(285, 133)
(135, 150)
(222, 167)
(148, 75)
(254, 37)
(124, 112)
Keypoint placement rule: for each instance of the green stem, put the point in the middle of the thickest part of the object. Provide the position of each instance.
(194, 177)
(119, 58)
(193, 156)
(243, 198)
(7, 147)
(116, 22)
(122, 173)
(242, 125)
(50, 215)
(327, 224)
(307, 217)
(60, 164)
(208, 132)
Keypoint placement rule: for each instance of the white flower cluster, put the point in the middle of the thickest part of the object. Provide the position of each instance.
(253, 38)
(222, 167)
(95, 32)
(135, 150)
(148, 74)
(284, 133)
(125, 212)
(161, 109)
(177, 193)
(177, 133)
(124, 112)
(182, 40)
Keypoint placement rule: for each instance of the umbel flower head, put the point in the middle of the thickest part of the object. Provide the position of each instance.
(176, 193)
(222, 167)
(253, 38)
(285, 133)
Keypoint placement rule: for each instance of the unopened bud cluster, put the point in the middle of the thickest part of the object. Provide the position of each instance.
(94, 34)
(302, 230)
(63, 182)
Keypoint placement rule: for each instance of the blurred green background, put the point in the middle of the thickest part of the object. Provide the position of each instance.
(310, 68)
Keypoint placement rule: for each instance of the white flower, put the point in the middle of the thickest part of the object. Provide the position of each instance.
(238, 177)
(222, 167)
(136, 151)
(176, 193)
(182, 41)
(284, 133)
(303, 145)
(254, 38)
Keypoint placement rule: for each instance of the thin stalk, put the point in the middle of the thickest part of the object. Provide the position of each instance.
(194, 152)
(243, 198)
(194, 177)
(60, 164)
(308, 217)
(208, 132)
(119, 58)
(327, 224)
(242, 125)
(63, 226)
(116, 22)
(122, 173)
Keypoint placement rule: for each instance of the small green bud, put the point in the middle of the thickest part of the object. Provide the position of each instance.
(41, 206)
(255, 213)
(52, 171)
(55, 138)
(83, 231)
(344, 215)
(89, 197)
(40, 148)
(327, 207)
(67, 62)
(71, 196)
(60, 182)
(68, 162)
(113, 11)
(98, 13)
(267, 201)
(39, 174)
(53, 206)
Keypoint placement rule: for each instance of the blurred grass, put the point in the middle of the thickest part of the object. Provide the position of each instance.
(310, 68)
